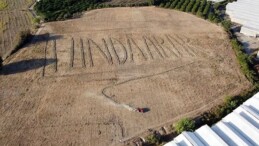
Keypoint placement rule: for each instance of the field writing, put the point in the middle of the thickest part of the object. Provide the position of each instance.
(80, 81)
(110, 51)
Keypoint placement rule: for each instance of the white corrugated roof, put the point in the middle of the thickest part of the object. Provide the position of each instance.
(241, 127)
(245, 12)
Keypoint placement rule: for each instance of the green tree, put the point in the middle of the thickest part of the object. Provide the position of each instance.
(196, 6)
(199, 13)
(206, 9)
(178, 6)
(185, 124)
(189, 6)
(201, 7)
(153, 139)
(173, 5)
(162, 5)
(62, 9)
(151, 2)
(167, 5)
(183, 7)
(226, 24)
(211, 16)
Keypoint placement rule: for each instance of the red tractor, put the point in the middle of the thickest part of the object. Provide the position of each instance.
(140, 110)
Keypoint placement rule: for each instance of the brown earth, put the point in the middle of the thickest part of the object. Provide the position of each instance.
(79, 84)
(13, 19)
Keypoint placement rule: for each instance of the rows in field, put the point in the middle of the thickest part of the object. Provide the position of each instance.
(11, 24)
(66, 54)
(19, 4)
(13, 19)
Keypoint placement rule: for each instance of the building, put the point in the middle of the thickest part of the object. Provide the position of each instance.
(246, 13)
(241, 127)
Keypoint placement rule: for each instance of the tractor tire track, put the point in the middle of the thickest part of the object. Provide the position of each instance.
(82, 53)
(54, 49)
(109, 98)
(124, 50)
(130, 49)
(160, 46)
(100, 50)
(196, 49)
(45, 58)
(89, 52)
(148, 49)
(135, 44)
(108, 51)
(180, 45)
(72, 52)
(114, 51)
(157, 50)
(185, 42)
(173, 45)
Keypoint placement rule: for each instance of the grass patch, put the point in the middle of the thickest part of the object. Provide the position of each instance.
(154, 139)
(3, 5)
(185, 124)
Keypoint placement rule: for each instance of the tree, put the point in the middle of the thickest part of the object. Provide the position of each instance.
(185, 124)
(183, 7)
(173, 5)
(206, 9)
(61, 9)
(151, 2)
(155, 138)
(195, 7)
(201, 7)
(211, 16)
(167, 5)
(161, 5)
(178, 6)
(189, 6)
(199, 13)
(226, 24)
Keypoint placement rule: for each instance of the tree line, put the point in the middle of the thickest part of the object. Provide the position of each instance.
(202, 8)
(51, 10)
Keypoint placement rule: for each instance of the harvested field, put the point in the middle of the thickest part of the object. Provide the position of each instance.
(127, 2)
(78, 83)
(14, 18)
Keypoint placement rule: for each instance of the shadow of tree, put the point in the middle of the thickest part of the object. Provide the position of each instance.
(44, 37)
(25, 65)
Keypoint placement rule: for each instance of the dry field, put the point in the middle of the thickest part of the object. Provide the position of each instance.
(79, 81)
(123, 2)
(14, 17)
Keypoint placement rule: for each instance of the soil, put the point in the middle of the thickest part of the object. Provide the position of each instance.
(14, 19)
(80, 81)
